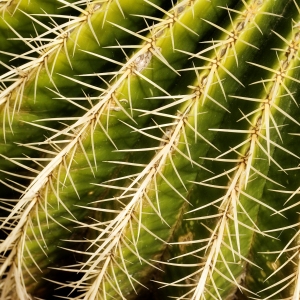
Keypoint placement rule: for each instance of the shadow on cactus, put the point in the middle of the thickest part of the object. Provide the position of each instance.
(149, 149)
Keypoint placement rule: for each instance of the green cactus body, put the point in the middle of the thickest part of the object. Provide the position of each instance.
(150, 150)
(12, 28)
(48, 75)
(238, 198)
(106, 113)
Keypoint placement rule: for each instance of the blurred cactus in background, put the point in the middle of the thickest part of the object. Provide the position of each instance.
(149, 149)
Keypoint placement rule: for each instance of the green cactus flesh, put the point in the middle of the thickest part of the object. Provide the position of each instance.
(149, 149)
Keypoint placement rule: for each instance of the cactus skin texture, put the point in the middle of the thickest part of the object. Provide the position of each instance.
(149, 149)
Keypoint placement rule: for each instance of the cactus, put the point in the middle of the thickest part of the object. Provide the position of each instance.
(149, 149)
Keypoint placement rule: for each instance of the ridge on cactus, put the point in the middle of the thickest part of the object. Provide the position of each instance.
(149, 149)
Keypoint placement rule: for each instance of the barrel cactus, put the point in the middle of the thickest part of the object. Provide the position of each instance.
(149, 149)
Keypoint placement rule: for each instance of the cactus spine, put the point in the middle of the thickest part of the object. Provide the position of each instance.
(149, 149)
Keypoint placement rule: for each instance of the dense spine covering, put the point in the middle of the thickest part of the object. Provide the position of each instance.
(149, 149)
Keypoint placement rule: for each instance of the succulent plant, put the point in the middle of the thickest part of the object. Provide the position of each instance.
(149, 149)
